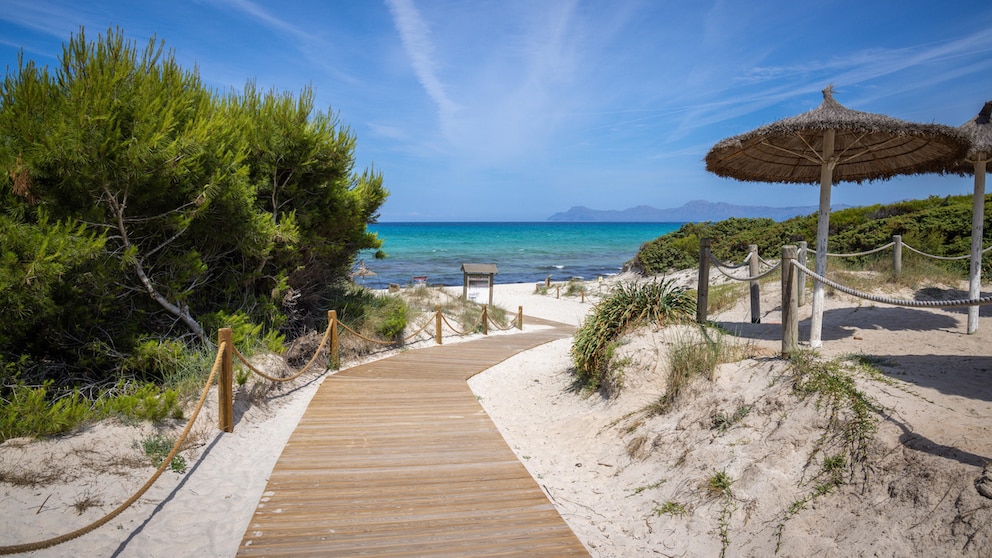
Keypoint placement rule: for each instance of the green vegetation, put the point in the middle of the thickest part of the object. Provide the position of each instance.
(674, 509)
(624, 307)
(45, 411)
(143, 210)
(852, 420)
(723, 421)
(939, 226)
(157, 447)
(691, 355)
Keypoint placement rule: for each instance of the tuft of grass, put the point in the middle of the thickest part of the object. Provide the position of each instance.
(651, 486)
(85, 501)
(852, 419)
(722, 421)
(672, 508)
(691, 356)
(157, 447)
(852, 416)
(625, 307)
(718, 484)
(724, 296)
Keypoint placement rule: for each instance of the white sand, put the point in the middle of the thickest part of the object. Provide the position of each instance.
(604, 463)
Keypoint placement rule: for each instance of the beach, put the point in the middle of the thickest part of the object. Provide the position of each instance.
(628, 482)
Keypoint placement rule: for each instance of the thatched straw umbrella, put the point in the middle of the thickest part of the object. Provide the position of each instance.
(362, 272)
(979, 131)
(834, 144)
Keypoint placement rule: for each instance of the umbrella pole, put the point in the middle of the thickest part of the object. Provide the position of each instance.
(822, 231)
(977, 224)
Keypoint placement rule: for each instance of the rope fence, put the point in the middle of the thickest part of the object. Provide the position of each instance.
(222, 371)
(791, 286)
(166, 463)
(752, 261)
(897, 244)
(896, 301)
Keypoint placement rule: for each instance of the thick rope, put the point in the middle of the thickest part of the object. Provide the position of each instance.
(458, 331)
(431, 320)
(166, 463)
(300, 372)
(718, 263)
(907, 246)
(369, 339)
(719, 268)
(896, 301)
(498, 327)
(945, 258)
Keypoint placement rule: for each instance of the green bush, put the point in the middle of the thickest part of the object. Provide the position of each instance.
(938, 226)
(30, 411)
(145, 402)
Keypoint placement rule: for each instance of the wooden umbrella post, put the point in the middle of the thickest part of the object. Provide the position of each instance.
(822, 232)
(977, 233)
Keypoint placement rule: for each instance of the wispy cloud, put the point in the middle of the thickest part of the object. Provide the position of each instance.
(264, 17)
(415, 35)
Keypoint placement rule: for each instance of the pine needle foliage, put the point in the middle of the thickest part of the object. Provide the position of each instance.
(624, 308)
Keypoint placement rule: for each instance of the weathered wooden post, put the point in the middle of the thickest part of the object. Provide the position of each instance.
(752, 271)
(557, 291)
(520, 317)
(485, 319)
(703, 282)
(790, 302)
(332, 324)
(437, 323)
(803, 249)
(897, 255)
(225, 382)
(977, 236)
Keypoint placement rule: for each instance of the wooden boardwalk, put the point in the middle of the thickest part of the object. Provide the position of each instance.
(397, 458)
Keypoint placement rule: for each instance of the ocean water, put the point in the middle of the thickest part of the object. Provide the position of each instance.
(522, 252)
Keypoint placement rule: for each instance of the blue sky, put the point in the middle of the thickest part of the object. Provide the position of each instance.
(507, 110)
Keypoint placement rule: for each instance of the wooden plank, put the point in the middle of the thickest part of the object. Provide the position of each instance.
(397, 458)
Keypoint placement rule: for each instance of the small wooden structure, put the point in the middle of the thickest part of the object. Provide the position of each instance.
(476, 275)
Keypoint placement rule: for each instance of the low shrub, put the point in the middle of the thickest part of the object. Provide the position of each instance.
(625, 306)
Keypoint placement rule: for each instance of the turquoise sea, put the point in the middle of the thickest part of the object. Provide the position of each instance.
(522, 252)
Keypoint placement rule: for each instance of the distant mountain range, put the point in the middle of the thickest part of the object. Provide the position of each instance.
(694, 211)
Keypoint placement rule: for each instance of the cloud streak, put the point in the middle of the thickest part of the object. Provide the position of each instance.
(415, 35)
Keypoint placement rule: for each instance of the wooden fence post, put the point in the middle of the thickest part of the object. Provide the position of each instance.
(332, 323)
(803, 247)
(485, 319)
(703, 282)
(752, 271)
(437, 322)
(790, 302)
(897, 255)
(520, 317)
(225, 382)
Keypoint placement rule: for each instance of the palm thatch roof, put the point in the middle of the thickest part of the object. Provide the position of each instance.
(867, 147)
(979, 131)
